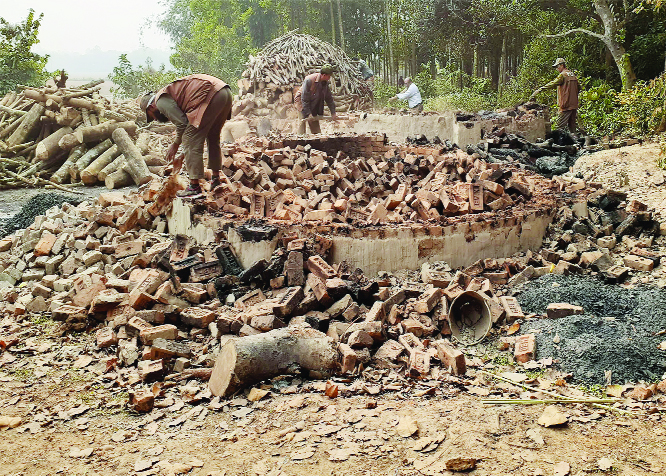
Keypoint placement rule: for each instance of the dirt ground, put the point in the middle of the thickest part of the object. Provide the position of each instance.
(74, 419)
(631, 169)
(76, 423)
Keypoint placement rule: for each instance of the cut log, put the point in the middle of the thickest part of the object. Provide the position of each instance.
(11, 127)
(41, 96)
(68, 141)
(118, 179)
(117, 164)
(29, 124)
(153, 159)
(102, 131)
(136, 166)
(63, 172)
(89, 174)
(142, 142)
(87, 158)
(248, 360)
(49, 146)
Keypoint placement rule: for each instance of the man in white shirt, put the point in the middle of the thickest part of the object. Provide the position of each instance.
(412, 95)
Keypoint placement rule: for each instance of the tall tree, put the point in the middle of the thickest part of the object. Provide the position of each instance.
(613, 25)
(18, 64)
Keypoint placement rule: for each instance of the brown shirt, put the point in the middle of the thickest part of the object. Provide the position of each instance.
(192, 94)
(567, 90)
(313, 94)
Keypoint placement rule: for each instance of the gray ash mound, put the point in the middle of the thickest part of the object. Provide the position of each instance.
(616, 333)
(37, 205)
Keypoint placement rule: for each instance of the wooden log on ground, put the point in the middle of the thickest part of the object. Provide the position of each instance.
(142, 142)
(153, 158)
(49, 146)
(89, 174)
(13, 112)
(29, 124)
(248, 360)
(118, 179)
(78, 94)
(11, 127)
(117, 164)
(63, 172)
(41, 96)
(87, 158)
(135, 166)
(102, 131)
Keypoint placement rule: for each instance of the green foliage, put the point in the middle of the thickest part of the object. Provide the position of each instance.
(382, 92)
(18, 65)
(640, 111)
(133, 81)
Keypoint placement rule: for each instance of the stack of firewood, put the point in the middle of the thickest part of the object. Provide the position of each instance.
(272, 78)
(51, 136)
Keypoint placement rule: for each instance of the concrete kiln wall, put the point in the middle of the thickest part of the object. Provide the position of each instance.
(398, 128)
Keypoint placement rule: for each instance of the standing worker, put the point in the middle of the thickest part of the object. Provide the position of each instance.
(198, 105)
(312, 96)
(366, 73)
(412, 95)
(567, 96)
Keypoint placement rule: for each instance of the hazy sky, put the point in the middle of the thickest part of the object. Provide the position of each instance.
(75, 26)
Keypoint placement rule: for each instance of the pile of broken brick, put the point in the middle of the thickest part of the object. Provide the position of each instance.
(336, 179)
(161, 304)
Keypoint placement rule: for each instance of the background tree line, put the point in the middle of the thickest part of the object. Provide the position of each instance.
(468, 54)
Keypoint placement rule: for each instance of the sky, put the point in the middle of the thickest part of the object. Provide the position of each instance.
(79, 28)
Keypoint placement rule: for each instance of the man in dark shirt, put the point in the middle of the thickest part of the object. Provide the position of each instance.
(567, 96)
(312, 96)
(198, 105)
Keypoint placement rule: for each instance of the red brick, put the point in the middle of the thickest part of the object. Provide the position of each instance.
(128, 220)
(106, 299)
(410, 342)
(557, 310)
(45, 244)
(69, 313)
(142, 401)
(638, 263)
(293, 269)
(360, 339)
(106, 337)
(165, 331)
(641, 393)
(135, 325)
(419, 363)
(320, 268)
(525, 348)
(197, 317)
(331, 390)
(347, 358)
(428, 300)
(451, 357)
(151, 370)
(288, 301)
(512, 308)
(129, 248)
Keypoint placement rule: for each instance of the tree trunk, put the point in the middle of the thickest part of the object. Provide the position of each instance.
(136, 166)
(117, 163)
(89, 174)
(502, 66)
(248, 360)
(49, 146)
(29, 124)
(342, 32)
(87, 158)
(332, 22)
(118, 179)
(63, 172)
(103, 131)
(389, 39)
